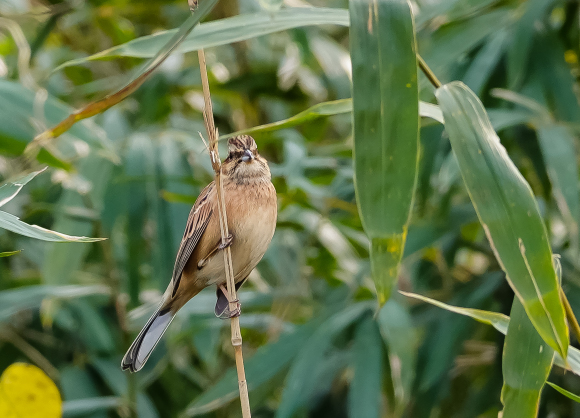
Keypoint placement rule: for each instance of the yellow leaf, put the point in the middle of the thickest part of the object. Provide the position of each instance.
(26, 392)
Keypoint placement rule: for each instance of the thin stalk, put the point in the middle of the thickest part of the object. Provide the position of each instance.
(428, 73)
(570, 315)
(230, 284)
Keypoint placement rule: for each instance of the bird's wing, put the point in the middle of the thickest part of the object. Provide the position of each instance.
(196, 223)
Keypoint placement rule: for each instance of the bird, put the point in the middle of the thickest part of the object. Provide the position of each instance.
(251, 208)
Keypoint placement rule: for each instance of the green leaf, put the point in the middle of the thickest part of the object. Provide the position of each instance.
(523, 39)
(9, 253)
(225, 31)
(557, 144)
(335, 107)
(18, 127)
(15, 300)
(83, 407)
(11, 188)
(508, 211)
(12, 223)
(564, 392)
(526, 364)
(134, 81)
(268, 361)
(497, 320)
(299, 383)
(401, 338)
(364, 397)
(386, 129)
(501, 322)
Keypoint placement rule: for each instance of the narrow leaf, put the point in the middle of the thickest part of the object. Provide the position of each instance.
(364, 397)
(11, 188)
(12, 223)
(83, 407)
(559, 153)
(9, 253)
(401, 338)
(526, 364)
(564, 392)
(501, 322)
(15, 300)
(508, 211)
(225, 31)
(300, 383)
(136, 80)
(335, 107)
(386, 128)
(268, 361)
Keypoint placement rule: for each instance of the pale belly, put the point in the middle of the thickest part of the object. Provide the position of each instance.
(251, 240)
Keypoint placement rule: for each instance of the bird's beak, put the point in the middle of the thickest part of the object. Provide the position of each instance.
(248, 156)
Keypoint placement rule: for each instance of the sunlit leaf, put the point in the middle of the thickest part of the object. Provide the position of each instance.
(507, 210)
(386, 128)
(26, 391)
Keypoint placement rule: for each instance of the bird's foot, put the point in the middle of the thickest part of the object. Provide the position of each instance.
(228, 314)
(225, 244)
(222, 309)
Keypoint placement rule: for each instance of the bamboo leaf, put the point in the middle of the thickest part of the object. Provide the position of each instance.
(386, 127)
(526, 364)
(401, 338)
(82, 407)
(16, 300)
(224, 32)
(300, 383)
(135, 81)
(12, 223)
(559, 152)
(364, 397)
(508, 211)
(501, 322)
(11, 188)
(335, 107)
(564, 392)
(268, 361)
(9, 253)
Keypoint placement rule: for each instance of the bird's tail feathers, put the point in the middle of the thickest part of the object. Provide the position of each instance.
(146, 341)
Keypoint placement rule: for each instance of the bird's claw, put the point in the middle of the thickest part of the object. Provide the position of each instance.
(228, 314)
(228, 241)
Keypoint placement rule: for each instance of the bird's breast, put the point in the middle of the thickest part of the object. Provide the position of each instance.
(251, 213)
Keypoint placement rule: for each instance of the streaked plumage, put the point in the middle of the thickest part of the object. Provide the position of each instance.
(251, 209)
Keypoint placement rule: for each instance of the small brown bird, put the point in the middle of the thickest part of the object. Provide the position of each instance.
(251, 209)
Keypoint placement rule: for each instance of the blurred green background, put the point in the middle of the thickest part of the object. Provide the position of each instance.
(314, 343)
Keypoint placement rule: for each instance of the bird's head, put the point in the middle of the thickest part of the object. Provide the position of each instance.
(244, 164)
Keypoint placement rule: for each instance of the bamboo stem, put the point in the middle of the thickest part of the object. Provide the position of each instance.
(231, 286)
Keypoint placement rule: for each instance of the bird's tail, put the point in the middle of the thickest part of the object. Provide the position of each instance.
(146, 341)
